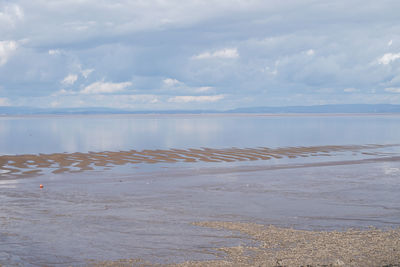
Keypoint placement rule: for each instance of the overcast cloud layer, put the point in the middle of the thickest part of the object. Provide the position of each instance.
(158, 54)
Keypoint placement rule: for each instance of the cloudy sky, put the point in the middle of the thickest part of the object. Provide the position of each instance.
(175, 54)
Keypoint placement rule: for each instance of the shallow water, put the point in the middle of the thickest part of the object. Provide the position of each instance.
(113, 214)
(55, 134)
(145, 210)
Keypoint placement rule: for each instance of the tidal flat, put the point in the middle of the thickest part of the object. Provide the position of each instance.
(186, 202)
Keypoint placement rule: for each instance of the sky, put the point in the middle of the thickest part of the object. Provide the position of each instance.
(210, 54)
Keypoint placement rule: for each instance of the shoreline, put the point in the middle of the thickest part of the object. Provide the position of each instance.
(274, 246)
(126, 216)
(161, 115)
(289, 247)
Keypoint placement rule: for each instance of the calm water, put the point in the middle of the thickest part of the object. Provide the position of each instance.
(145, 210)
(49, 134)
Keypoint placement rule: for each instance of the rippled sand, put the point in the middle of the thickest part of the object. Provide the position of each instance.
(27, 165)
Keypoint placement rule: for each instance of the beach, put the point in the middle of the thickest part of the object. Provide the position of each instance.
(181, 214)
(203, 205)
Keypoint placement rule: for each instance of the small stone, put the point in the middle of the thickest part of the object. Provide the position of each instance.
(338, 263)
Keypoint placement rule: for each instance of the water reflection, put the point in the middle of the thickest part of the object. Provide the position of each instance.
(52, 134)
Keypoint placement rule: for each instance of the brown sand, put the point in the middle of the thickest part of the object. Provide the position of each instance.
(288, 247)
(28, 165)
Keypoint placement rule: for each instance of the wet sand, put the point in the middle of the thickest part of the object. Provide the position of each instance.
(290, 247)
(31, 164)
(275, 246)
(128, 216)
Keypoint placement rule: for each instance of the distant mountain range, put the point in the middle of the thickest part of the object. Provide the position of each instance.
(347, 108)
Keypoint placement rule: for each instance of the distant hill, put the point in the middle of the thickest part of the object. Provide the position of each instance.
(95, 110)
(55, 111)
(348, 108)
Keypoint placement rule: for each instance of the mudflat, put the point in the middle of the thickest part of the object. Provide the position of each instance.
(277, 246)
(319, 212)
(31, 164)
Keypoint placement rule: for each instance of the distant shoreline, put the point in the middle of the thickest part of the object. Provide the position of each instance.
(197, 115)
(317, 109)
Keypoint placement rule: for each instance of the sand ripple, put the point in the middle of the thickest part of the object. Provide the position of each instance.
(31, 164)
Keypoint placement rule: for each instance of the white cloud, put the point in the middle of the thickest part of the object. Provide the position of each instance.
(223, 53)
(350, 90)
(190, 98)
(64, 92)
(18, 12)
(178, 86)
(54, 52)
(152, 99)
(171, 82)
(73, 99)
(70, 79)
(393, 90)
(310, 52)
(86, 73)
(99, 36)
(325, 90)
(4, 101)
(7, 48)
(203, 89)
(388, 58)
(80, 25)
(10, 14)
(55, 104)
(104, 87)
(270, 71)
